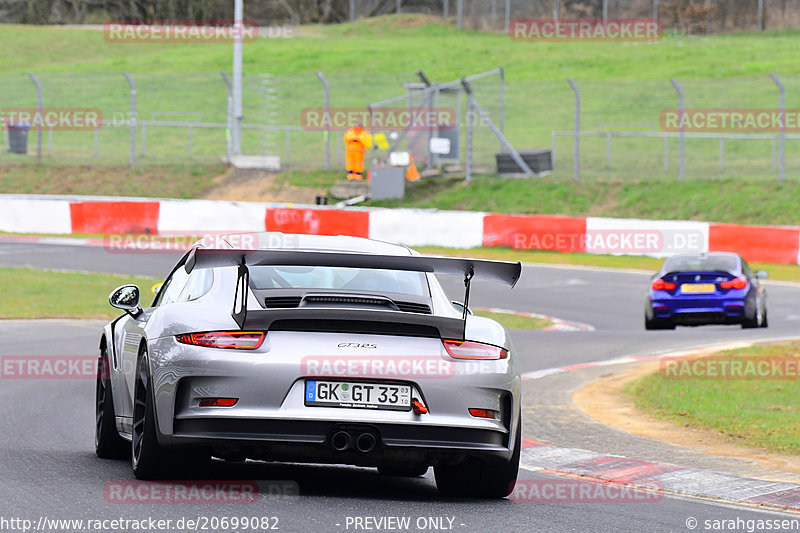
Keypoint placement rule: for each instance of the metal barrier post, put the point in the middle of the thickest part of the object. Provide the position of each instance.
(144, 140)
(326, 86)
(446, 9)
(459, 14)
(576, 150)
(468, 154)
(508, 15)
(682, 140)
(39, 106)
(722, 153)
(782, 135)
(502, 103)
(608, 149)
(605, 12)
(352, 10)
(132, 120)
(228, 117)
(666, 154)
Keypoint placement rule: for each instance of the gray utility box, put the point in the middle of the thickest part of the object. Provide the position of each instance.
(388, 183)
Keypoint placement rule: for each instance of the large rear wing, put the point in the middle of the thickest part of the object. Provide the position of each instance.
(497, 271)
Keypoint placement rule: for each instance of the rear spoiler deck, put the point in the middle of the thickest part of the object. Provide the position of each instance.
(498, 271)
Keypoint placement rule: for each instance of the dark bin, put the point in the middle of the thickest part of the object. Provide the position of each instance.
(18, 138)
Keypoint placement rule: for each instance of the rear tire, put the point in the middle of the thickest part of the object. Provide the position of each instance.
(476, 479)
(149, 460)
(658, 323)
(755, 321)
(407, 471)
(765, 321)
(107, 442)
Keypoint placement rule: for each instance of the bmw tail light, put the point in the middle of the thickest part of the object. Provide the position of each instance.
(661, 285)
(473, 350)
(238, 340)
(735, 283)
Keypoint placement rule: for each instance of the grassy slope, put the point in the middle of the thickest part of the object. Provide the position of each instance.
(27, 293)
(380, 46)
(728, 200)
(763, 413)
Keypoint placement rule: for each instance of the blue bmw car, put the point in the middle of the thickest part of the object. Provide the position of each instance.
(707, 288)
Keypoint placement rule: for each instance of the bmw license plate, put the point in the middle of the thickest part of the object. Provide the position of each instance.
(358, 395)
(697, 287)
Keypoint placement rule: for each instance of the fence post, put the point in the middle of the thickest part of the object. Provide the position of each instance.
(605, 12)
(708, 16)
(655, 10)
(576, 151)
(502, 103)
(782, 135)
(238, 15)
(132, 119)
(327, 132)
(397, 7)
(557, 10)
(681, 139)
(608, 149)
(39, 106)
(508, 15)
(352, 10)
(228, 116)
(468, 151)
(459, 14)
(760, 15)
(722, 153)
(666, 154)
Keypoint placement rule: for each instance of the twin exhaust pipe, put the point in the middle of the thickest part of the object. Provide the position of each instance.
(342, 441)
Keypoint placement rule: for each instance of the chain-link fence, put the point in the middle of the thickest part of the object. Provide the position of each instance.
(621, 134)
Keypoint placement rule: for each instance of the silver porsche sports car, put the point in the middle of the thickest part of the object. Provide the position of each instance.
(313, 349)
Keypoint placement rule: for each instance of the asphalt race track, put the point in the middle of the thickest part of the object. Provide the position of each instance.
(48, 467)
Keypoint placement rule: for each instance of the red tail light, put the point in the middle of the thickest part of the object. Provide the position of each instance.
(483, 413)
(240, 340)
(218, 402)
(735, 283)
(473, 350)
(661, 285)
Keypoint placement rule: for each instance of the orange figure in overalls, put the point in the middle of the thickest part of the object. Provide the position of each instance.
(356, 141)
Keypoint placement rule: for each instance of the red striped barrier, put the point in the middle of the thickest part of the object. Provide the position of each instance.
(116, 217)
(764, 244)
(318, 221)
(535, 232)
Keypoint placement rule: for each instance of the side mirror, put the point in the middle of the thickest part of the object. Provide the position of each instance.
(762, 274)
(460, 307)
(126, 298)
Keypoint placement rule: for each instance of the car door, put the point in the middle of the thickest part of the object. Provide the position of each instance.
(133, 331)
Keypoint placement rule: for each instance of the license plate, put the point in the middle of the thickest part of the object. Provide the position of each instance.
(697, 287)
(358, 395)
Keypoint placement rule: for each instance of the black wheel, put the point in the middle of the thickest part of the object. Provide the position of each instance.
(754, 321)
(658, 323)
(408, 471)
(765, 321)
(475, 478)
(149, 459)
(107, 442)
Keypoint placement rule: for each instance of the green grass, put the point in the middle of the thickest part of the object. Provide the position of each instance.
(762, 413)
(28, 293)
(623, 84)
(184, 180)
(515, 321)
(729, 200)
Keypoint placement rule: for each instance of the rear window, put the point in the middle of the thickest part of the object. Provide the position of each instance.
(724, 263)
(338, 278)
